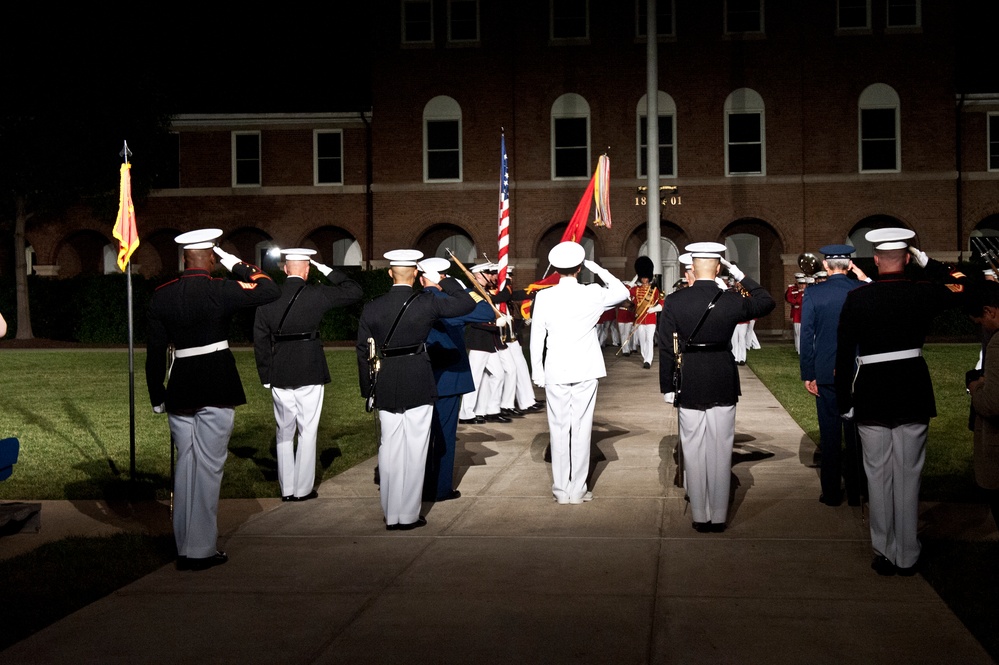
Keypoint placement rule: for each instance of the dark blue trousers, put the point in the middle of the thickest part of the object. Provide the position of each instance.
(439, 477)
(838, 463)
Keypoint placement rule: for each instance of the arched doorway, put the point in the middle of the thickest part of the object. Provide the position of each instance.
(443, 237)
(552, 237)
(755, 247)
(335, 246)
(254, 245)
(83, 253)
(669, 253)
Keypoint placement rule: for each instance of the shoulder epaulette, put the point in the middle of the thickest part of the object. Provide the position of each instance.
(476, 297)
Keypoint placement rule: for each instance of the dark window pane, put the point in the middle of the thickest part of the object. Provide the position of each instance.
(329, 164)
(328, 144)
(568, 19)
(329, 171)
(878, 155)
(464, 23)
(571, 163)
(247, 172)
(994, 142)
(570, 132)
(878, 123)
(665, 130)
(852, 13)
(442, 165)
(665, 146)
(665, 160)
(902, 12)
(743, 16)
(417, 21)
(743, 127)
(442, 135)
(744, 159)
(247, 146)
(167, 174)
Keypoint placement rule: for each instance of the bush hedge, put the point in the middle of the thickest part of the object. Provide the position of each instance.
(92, 309)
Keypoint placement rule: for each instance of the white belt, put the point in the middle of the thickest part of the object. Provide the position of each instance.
(201, 350)
(876, 358)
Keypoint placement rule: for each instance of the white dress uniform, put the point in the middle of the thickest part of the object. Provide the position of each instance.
(567, 360)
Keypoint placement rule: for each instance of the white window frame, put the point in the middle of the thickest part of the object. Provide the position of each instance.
(906, 26)
(879, 96)
(402, 19)
(667, 108)
(762, 30)
(988, 142)
(478, 25)
(853, 28)
(442, 109)
(316, 157)
(746, 101)
(575, 39)
(660, 33)
(259, 160)
(570, 105)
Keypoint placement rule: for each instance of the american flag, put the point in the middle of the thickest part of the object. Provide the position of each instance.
(504, 218)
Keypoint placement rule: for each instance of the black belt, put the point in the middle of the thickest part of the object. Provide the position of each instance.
(404, 350)
(699, 348)
(296, 337)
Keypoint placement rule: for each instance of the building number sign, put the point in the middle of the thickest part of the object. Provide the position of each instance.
(668, 196)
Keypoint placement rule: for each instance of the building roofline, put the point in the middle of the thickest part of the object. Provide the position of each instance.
(342, 118)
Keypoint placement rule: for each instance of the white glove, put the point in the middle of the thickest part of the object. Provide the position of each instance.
(919, 256)
(721, 283)
(226, 259)
(324, 269)
(504, 320)
(734, 270)
(654, 309)
(669, 397)
(431, 276)
(848, 415)
(539, 379)
(267, 385)
(159, 409)
(592, 266)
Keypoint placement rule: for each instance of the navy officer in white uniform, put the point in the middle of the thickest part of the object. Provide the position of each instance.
(566, 360)
(398, 324)
(193, 313)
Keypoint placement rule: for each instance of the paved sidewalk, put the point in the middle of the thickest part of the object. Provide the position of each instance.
(505, 575)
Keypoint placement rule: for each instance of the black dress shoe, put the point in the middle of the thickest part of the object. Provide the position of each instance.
(187, 563)
(535, 407)
(908, 572)
(513, 413)
(882, 566)
(477, 420)
(288, 498)
(831, 500)
(407, 527)
(311, 495)
(646, 365)
(453, 494)
(498, 418)
(702, 527)
(716, 528)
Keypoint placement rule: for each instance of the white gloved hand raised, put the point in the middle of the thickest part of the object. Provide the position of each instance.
(919, 257)
(226, 259)
(722, 284)
(324, 269)
(592, 266)
(734, 270)
(669, 397)
(431, 276)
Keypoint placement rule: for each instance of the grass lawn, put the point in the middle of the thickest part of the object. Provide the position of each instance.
(963, 573)
(70, 410)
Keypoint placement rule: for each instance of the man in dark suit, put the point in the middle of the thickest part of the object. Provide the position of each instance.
(820, 310)
(192, 314)
(397, 324)
(710, 387)
(883, 383)
(448, 357)
(291, 362)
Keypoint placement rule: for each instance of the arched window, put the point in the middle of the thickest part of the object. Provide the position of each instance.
(570, 137)
(667, 134)
(878, 135)
(745, 134)
(442, 140)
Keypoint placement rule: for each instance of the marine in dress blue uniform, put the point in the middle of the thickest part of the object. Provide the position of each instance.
(292, 364)
(406, 389)
(883, 383)
(820, 310)
(193, 314)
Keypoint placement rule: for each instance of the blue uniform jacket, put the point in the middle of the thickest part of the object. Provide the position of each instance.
(446, 346)
(820, 310)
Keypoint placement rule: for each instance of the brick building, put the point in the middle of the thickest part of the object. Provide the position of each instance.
(783, 126)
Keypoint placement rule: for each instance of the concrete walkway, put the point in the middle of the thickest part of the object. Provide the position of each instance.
(505, 575)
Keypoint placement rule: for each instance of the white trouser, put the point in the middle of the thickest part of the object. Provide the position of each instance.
(739, 342)
(707, 438)
(645, 336)
(570, 426)
(752, 341)
(202, 441)
(525, 389)
(508, 388)
(893, 460)
(624, 330)
(487, 374)
(797, 337)
(402, 460)
(297, 409)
